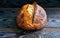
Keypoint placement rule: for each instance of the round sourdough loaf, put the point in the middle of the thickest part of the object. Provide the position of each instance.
(31, 17)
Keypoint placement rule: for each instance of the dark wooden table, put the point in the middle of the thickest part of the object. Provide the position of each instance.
(9, 29)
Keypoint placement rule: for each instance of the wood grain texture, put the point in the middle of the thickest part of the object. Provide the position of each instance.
(8, 17)
(8, 25)
(53, 17)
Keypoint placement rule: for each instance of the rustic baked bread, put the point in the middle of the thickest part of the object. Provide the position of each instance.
(31, 17)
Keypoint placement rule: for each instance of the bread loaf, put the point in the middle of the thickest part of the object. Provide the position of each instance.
(31, 17)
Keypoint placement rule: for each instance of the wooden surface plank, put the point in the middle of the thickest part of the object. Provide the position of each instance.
(8, 17)
(53, 17)
(51, 32)
(44, 33)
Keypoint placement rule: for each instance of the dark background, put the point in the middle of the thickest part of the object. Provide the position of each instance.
(19, 3)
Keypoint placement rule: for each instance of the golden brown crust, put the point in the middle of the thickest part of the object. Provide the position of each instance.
(26, 20)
